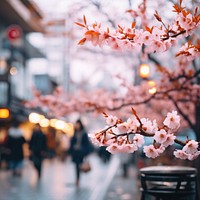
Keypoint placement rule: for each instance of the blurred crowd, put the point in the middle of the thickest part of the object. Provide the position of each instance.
(14, 148)
(47, 144)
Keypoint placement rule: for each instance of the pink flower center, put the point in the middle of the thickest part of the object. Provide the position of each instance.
(171, 119)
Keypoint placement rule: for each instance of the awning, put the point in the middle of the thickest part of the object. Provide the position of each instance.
(15, 12)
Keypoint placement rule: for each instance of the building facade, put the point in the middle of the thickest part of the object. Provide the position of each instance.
(18, 18)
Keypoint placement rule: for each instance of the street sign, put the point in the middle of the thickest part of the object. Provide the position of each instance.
(14, 34)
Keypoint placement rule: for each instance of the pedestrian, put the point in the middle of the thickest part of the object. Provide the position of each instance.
(51, 142)
(80, 148)
(38, 147)
(14, 144)
(104, 154)
(4, 152)
(63, 143)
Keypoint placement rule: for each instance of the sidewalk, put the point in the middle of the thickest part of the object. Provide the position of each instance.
(57, 182)
(124, 188)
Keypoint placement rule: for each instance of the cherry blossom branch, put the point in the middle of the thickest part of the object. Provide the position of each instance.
(154, 60)
(188, 77)
(173, 36)
(155, 39)
(126, 104)
(116, 136)
(180, 142)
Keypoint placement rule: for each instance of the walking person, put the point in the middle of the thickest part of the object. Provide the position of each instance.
(80, 147)
(38, 147)
(14, 144)
(63, 142)
(51, 142)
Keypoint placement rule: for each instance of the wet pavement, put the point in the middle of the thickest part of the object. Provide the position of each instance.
(57, 181)
(103, 182)
(124, 188)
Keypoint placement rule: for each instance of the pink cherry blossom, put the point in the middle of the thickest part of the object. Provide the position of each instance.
(138, 140)
(132, 124)
(150, 151)
(147, 38)
(123, 127)
(194, 53)
(169, 140)
(194, 155)
(138, 36)
(125, 45)
(186, 22)
(94, 139)
(161, 149)
(115, 130)
(191, 51)
(191, 147)
(172, 120)
(180, 154)
(100, 139)
(125, 148)
(155, 37)
(147, 125)
(111, 120)
(170, 43)
(113, 43)
(108, 139)
(157, 32)
(160, 136)
(158, 46)
(94, 37)
(155, 125)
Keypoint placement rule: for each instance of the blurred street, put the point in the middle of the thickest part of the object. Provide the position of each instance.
(124, 188)
(57, 182)
(104, 182)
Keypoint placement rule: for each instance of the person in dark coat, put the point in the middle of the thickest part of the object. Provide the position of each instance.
(38, 147)
(4, 152)
(80, 147)
(14, 144)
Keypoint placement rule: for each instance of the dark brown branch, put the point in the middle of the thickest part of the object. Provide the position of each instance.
(154, 60)
(175, 35)
(180, 142)
(185, 76)
(140, 102)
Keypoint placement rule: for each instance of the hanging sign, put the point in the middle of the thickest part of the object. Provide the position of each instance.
(14, 35)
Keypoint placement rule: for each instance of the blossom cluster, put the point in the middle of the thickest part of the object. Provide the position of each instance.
(128, 136)
(154, 39)
(189, 151)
